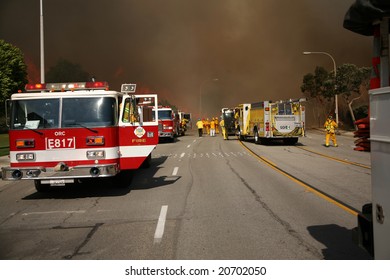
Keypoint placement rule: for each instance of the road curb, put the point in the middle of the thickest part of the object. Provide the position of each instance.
(341, 132)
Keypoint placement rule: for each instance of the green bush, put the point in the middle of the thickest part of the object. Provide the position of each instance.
(4, 144)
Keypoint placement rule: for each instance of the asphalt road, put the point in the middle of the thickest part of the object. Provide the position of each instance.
(202, 198)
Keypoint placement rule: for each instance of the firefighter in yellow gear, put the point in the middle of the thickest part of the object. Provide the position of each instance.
(212, 127)
(199, 125)
(206, 124)
(130, 113)
(236, 117)
(224, 133)
(330, 128)
(216, 125)
(183, 124)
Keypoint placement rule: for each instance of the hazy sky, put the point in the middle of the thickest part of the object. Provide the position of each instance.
(176, 47)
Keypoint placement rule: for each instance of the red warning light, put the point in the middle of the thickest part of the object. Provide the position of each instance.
(33, 87)
(96, 85)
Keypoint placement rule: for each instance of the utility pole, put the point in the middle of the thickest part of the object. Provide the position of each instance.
(42, 45)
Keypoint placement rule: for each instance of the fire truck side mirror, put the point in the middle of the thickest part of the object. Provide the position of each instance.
(8, 105)
(140, 115)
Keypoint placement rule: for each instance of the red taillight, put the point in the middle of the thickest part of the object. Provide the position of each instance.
(267, 126)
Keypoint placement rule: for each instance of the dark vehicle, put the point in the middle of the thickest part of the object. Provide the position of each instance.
(230, 121)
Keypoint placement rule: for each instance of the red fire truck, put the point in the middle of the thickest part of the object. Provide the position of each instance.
(168, 123)
(64, 133)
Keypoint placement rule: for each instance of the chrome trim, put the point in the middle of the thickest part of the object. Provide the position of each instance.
(42, 173)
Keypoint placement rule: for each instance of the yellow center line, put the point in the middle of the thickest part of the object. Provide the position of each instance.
(301, 183)
(334, 158)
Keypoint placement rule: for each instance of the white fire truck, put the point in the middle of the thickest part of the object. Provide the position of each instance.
(266, 120)
(64, 133)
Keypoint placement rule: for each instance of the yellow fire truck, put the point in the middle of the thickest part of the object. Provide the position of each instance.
(266, 120)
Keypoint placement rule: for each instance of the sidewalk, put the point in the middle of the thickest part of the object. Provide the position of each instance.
(342, 132)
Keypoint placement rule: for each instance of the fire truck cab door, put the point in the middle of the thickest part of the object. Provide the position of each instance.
(138, 129)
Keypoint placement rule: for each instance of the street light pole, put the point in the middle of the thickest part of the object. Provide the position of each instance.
(200, 94)
(42, 45)
(336, 110)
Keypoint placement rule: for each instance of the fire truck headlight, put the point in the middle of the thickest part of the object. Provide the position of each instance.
(25, 157)
(96, 154)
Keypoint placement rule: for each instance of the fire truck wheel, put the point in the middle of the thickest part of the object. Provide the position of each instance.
(41, 187)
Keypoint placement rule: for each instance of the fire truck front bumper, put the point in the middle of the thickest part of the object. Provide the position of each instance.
(59, 172)
(165, 134)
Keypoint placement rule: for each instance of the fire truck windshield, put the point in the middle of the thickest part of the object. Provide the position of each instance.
(284, 109)
(228, 114)
(164, 114)
(63, 112)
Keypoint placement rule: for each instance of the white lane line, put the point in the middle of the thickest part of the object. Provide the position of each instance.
(174, 173)
(103, 211)
(54, 212)
(161, 224)
(188, 146)
(182, 155)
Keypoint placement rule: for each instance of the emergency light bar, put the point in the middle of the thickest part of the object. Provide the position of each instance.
(67, 86)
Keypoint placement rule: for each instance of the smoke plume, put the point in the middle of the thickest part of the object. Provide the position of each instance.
(253, 47)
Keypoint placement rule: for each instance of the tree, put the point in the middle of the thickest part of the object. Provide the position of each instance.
(319, 85)
(322, 86)
(318, 89)
(350, 82)
(13, 72)
(66, 71)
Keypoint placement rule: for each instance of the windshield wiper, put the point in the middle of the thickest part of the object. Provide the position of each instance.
(36, 131)
(83, 126)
